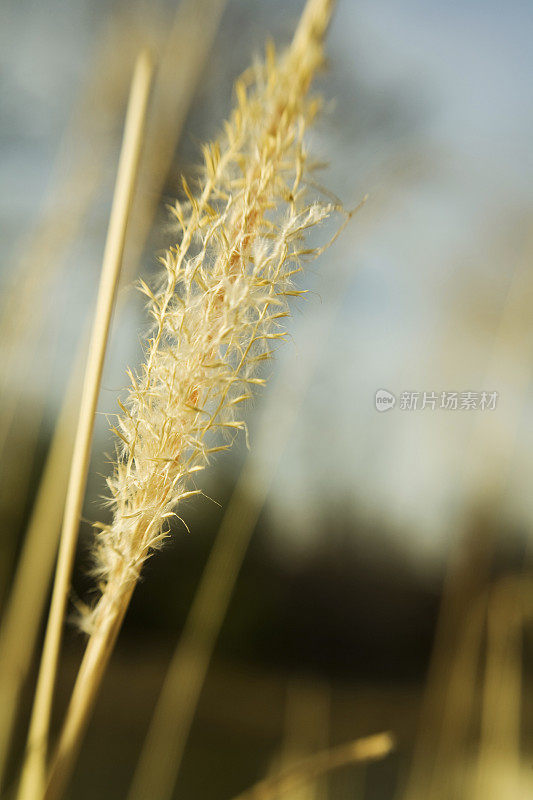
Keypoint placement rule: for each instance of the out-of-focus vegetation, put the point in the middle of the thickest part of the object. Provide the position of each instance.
(375, 567)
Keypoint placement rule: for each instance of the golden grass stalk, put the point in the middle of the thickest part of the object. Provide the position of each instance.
(32, 782)
(312, 767)
(185, 55)
(218, 308)
(79, 167)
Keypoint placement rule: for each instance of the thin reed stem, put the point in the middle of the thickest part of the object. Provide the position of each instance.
(33, 775)
(93, 666)
(369, 748)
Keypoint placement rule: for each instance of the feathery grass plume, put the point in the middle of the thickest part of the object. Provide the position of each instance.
(219, 307)
(217, 311)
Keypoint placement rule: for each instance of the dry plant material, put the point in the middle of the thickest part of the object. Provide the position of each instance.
(217, 312)
(33, 774)
(370, 748)
(218, 309)
(184, 55)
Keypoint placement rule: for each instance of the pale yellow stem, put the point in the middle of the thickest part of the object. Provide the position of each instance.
(32, 782)
(369, 748)
(93, 666)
